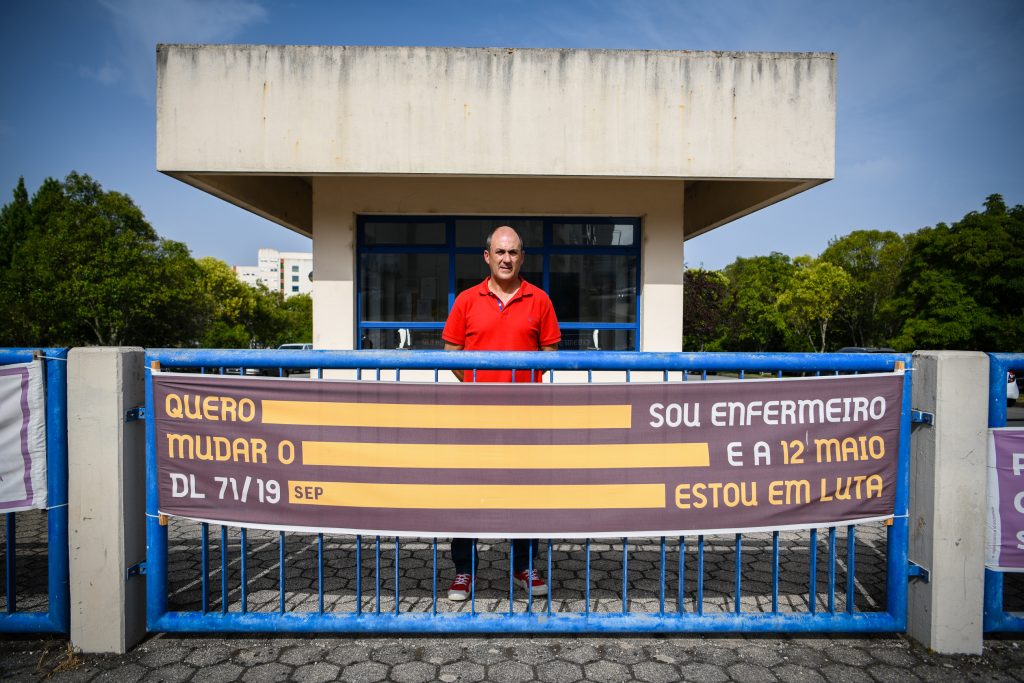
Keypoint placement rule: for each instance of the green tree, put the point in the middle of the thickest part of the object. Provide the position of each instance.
(874, 260)
(754, 322)
(705, 297)
(82, 266)
(963, 284)
(811, 300)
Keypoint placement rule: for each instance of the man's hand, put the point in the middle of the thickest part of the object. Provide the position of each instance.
(455, 347)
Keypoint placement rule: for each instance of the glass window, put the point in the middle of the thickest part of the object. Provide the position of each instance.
(409, 272)
(295, 269)
(389, 232)
(295, 278)
(403, 287)
(295, 288)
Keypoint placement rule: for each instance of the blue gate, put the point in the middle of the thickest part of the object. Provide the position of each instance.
(847, 579)
(997, 617)
(33, 606)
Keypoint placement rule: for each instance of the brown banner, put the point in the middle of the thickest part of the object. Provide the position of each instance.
(506, 460)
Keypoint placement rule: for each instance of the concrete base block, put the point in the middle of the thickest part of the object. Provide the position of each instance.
(106, 497)
(947, 500)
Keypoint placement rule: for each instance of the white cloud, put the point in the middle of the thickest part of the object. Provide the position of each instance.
(106, 74)
(141, 24)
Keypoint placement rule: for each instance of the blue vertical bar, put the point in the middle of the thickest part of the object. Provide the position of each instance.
(359, 574)
(551, 583)
(680, 593)
(376, 569)
(739, 571)
(398, 550)
(586, 590)
(433, 588)
(243, 546)
(897, 539)
(156, 533)
(775, 571)
(529, 581)
(661, 580)
(832, 570)
(851, 545)
(223, 569)
(700, 574)
(511, 563)
(11, 564)
(280, 566)
(320, 573)
(472, 577)
(812, 592)
(57, 487)
(625, 575)
(204, 535)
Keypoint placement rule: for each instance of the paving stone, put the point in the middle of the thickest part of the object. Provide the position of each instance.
(509, 672)
(266, 673)
(895, 656)
(703, 673)
(715, 653)
(318, 672)
(393, 653)
(844, 673)
(532, 653)
(559, 671)
(159, 656)
(364, 672)
(580, 653)
(749, 673)
(794, 673)
(209, 654)
(125, 673)
(759, 654)
(852, 656)
(655, 672)
(462, 672)
(442, 653)
(413, 672)
(807, 657)
(606, 672)
(256, 655)
(343, 655)
(301, 654)
(485, 653)
(938, 674)
(623, 652)
(883, 673)
(219, 673)
(172, 673)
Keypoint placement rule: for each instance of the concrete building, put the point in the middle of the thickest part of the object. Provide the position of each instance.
(396, 161)
(288, 272)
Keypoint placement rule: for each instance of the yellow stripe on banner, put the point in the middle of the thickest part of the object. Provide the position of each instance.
(477, 497)
(475, 456)
(434, 416)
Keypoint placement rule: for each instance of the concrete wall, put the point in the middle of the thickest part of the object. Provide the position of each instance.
(465, 111)
(337, 201)
(106, 497)
(947, 500)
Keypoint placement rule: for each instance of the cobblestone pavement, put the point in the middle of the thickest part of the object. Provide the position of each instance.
(513, 660)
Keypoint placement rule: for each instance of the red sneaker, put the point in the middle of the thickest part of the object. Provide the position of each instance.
(459, 590)
(532, 581)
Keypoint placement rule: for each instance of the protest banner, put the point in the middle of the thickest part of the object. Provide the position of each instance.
(1004, 533)
(508, 460)
(22, 437)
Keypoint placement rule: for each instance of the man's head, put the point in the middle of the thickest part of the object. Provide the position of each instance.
(504, 255)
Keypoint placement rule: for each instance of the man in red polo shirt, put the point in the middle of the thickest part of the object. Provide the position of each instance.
(502, 313)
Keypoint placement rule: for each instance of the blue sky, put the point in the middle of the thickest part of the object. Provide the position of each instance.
(930, 96)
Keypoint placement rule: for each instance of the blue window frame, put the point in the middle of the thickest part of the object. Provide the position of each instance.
(409, 270)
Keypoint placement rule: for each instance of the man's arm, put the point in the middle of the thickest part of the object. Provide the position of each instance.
(457, 347)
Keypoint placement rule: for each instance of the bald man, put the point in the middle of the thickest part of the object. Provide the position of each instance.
(502, 313)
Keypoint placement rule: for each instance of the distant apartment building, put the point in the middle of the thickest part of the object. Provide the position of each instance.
(288, 272)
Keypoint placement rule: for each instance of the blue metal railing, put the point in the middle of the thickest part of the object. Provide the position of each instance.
(695, 554)
(997, 619)
(57, 617)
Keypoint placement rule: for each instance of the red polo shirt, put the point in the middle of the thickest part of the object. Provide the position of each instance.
(479, 322)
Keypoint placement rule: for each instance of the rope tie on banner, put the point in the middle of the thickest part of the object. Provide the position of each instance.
(64, 360)
(54, 507)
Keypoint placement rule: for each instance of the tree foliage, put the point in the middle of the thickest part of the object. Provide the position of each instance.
(705, 297)
(815, 294)
(755, 322)
(80, 266)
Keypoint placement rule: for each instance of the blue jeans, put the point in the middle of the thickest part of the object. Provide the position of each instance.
(522, 549)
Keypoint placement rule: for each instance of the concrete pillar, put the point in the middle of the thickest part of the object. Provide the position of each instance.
(947, 500)
(106, 497)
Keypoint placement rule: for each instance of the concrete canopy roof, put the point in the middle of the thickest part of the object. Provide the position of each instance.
(253, 124)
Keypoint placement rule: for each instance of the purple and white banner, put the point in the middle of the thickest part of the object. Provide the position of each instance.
(543, 460)
(1004, 533)
(22, 437)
